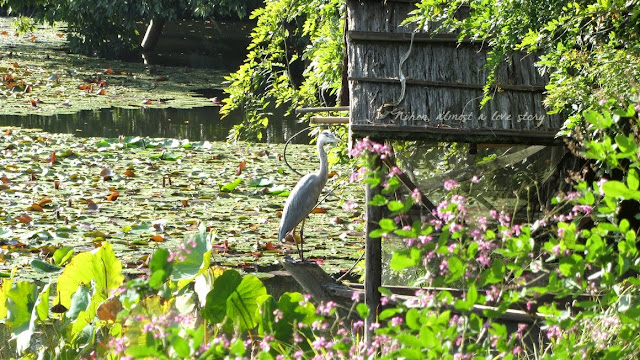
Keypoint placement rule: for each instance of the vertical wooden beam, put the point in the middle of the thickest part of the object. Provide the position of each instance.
(151, 37)
(373, 258)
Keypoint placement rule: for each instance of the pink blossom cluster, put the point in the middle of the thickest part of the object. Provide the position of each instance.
(327, 308)
(157, 325)
(367, 146)
(183, 250)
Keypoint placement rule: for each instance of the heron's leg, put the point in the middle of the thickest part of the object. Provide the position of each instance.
(302, 239)
(295, 241)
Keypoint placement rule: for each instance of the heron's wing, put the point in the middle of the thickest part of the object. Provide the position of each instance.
(302, 199)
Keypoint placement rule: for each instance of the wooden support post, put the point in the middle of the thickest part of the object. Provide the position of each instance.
(373, 259)
(152, 35)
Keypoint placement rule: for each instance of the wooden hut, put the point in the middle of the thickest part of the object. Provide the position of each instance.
(421, 84)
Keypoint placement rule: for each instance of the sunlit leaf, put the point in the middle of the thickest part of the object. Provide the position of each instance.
(228, 187)
(45, 267)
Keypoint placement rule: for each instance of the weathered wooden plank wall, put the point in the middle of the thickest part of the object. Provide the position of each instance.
(444, 81)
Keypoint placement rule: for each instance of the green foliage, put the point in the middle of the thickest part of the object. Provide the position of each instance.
(589, 49)
(585, 249)
(294, 60)
(110, 29)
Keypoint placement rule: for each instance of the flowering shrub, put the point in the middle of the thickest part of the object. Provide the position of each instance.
(563, 287)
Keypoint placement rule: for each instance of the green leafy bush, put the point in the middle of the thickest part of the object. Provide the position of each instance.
(111, 28)
(294, 60)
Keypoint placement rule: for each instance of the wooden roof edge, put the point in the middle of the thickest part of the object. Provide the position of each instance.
(321, 109)
(449, 134)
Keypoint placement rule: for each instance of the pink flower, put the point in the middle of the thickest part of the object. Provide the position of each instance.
(396, 321)
(475, 179)
(554, 332)
(450, 184)
(600, 183)
(415, 195)
(350, 205)
(394, 171)
(444, 267)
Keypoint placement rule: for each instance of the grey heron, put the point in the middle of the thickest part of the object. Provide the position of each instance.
(304, 196)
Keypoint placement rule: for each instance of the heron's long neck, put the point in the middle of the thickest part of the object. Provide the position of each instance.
(323, 161)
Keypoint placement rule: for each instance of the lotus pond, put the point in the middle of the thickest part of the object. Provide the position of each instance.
(61, 191)
(126, 153)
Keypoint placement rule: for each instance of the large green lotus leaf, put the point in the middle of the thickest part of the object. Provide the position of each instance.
(85, 317)
(242, 304)
(215, 308)
(4, 291)
(107, 270)
(78, 271)
(195, 259)
(20, 305)
(160, 268)
(79, 301)
(42, 304)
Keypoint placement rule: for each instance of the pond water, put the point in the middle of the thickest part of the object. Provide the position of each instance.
(187, 44)
(197, 124)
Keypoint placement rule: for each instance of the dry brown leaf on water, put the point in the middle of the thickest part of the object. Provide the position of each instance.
(269, 246)
(109, 309)
(59, 35)
(157, 238)
(185, 203)
(319, 211)
(332, 174)
(129, 173)
(15, 64)
(35, 207)
(44, 201)
(32, 38)
(108, 71)
(52, 158)
(241, 167)
(91, 205)
(24, 218)
(4, 33)
(113, 196)
(107, 174)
